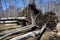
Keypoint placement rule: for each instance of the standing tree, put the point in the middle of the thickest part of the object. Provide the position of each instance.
(1, 11)
(6, 8)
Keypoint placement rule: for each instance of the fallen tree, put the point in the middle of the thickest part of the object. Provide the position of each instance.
(30, 34)
(13, 18)
(7, 33)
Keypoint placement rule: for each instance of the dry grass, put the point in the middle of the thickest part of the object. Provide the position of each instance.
(48, 33)
(58, 26)
(8, 26)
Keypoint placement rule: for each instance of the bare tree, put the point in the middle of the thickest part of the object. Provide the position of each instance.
(8, 8)
(6, 13)
(15, 8)
(32, 1)
(1, 11)
(41, 1)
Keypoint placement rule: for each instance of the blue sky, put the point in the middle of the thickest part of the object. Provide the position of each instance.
(19, 3)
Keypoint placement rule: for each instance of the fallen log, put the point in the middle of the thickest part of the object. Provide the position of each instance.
(7, 21)
(30, 34)
(17, 29)
(11, 18)
(7, 33)
(14, 19)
